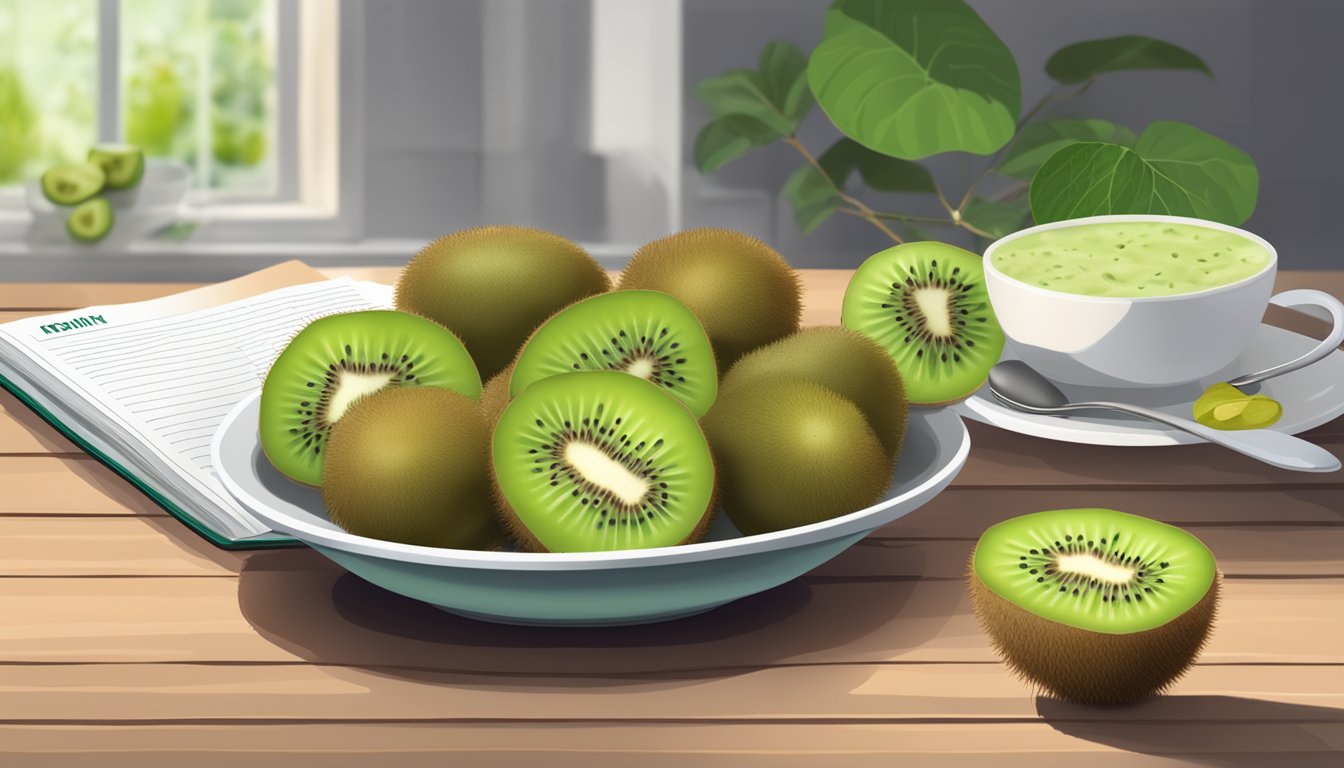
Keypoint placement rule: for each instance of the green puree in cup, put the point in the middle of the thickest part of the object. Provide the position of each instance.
(1130, 259)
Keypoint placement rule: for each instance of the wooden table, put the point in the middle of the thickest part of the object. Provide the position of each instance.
(127, 640)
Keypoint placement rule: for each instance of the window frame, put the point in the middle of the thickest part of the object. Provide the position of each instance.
(319, 94)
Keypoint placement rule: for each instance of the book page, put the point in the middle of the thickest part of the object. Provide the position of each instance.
(167, 371)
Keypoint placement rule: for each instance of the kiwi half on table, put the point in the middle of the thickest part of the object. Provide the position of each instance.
(90, 221)
(743, 291)
(73, 183)
(927, 305)
(601, 460)
(123, 164)
(409, 464)
(336, 360)
(1095, 606)
(492, 286)
(648, 334)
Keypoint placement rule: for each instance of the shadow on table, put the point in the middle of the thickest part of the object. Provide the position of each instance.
(1208, 730)
(313, 609)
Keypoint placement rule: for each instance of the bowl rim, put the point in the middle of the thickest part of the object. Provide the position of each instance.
(948, 462)
(991, 269)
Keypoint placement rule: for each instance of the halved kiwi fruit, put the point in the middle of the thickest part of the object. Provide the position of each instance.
(847, 362)
(73, 183)
(123, 164)
(1094, 605)
(927, 305)
(648, 334)
(791, 452)
(601, 460)
(492, 286)
(743, 291)
(340, 358)
(90, 221)
(409, 464)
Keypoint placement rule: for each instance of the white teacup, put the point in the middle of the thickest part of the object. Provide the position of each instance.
(1152, 341)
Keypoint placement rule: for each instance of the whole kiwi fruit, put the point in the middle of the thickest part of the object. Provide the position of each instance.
(1094, 605)
(791, 452)
(743, 291)
(846, 362)
(411, 465)
(495, 395)
(337, 359)
(601, 460)
(927, 305)
(492, 286)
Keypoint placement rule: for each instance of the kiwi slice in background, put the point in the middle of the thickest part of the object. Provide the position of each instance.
(91, 220)
(492, 286)
(743, 291)
(123, 164)
(72, 183)
(601, 460)
(340, 358)
(410, 464)
(845, 362)
(927, 305)
(1094, 605)
(791, 452)
(648, 334)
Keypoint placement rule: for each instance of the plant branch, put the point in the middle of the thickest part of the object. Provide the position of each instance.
(914, 218)
(1046, 100)
(859, 207)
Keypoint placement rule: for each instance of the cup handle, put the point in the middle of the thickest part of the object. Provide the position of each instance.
(1313, 303)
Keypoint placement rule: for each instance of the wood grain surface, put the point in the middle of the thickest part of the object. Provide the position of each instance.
(127, 640)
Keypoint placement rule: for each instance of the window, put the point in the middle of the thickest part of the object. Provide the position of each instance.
(225, 86)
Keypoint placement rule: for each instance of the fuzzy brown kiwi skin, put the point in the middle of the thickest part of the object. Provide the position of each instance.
(495, 395)
(1093, 667)
(742, 290)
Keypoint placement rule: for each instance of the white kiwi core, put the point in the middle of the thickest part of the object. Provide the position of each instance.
(1096, 568)
(641, 367)
(935, 304)
(595, 466)
(349, 388)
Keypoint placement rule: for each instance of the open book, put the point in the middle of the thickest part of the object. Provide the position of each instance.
(143, 386)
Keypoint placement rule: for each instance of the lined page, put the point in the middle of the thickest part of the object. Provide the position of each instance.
(171, 380)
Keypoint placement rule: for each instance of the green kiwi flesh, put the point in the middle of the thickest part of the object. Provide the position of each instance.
(123, 164)
(927, 305)
(1094, 605)
(648, 334)
(846, 362)
(337, 359)
(410, 465)
(743, 291)
(601, 460)
(492, 286)
(791, 452)
(91, 220)
(72, 184)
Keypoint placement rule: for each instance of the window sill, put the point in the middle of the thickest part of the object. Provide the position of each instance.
(187, 261)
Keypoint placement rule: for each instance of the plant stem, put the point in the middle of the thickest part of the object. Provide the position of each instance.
(858, 207)
(1046, 100)
(914, 218)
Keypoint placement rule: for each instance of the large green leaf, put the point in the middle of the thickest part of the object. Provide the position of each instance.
(1174, 169)
(996, 218)
(728, 138)
(1080, 61)
(1038, 141)
(776, 95)
(814, 198)
(913, 78)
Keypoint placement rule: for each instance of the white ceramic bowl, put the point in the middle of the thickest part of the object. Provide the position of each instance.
(1149, 341)
(152, 204)
(588, 588)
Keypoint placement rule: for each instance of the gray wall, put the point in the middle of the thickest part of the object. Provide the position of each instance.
(1278, 94)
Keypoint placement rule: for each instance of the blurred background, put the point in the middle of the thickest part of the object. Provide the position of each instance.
(352, 132)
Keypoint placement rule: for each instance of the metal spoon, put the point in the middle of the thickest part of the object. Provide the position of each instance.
(1018, 386)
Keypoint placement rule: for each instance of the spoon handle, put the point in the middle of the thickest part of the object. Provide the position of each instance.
(1275, 448)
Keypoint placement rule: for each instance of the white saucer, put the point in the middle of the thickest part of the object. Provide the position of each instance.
(1310, 397)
